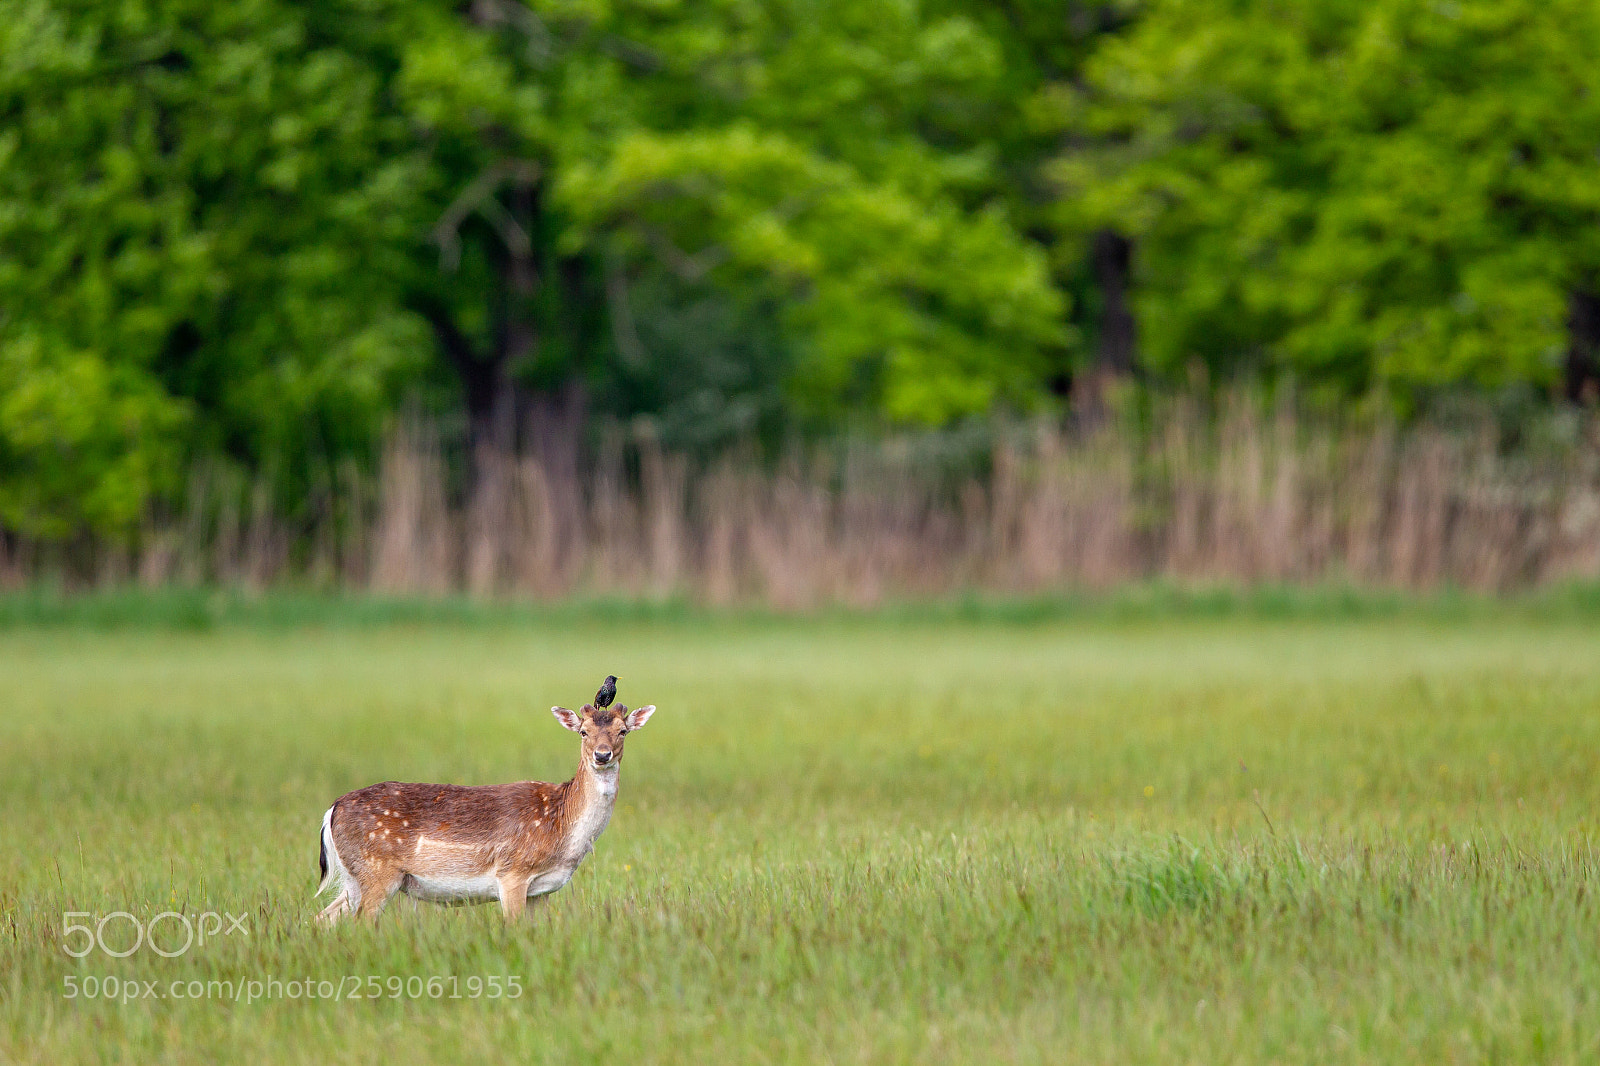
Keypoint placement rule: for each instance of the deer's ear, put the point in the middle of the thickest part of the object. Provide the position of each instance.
(567, 718)
(639, 716)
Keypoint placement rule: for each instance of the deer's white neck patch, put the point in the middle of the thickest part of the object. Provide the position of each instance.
(596, 795)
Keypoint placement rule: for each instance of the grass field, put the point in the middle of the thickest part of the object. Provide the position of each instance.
(1134, 839)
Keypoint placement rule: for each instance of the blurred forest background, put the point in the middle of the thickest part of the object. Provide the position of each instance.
(799, 301)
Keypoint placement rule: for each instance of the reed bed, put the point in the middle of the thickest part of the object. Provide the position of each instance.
(1231, 493)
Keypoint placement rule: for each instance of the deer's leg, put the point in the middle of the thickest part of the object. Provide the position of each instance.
(377, 885)
(338, 908)
(513, 895)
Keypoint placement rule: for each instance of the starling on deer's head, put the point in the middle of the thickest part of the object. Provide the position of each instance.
(607, 693)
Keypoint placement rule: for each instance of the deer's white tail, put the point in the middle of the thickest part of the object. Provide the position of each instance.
(333, 871)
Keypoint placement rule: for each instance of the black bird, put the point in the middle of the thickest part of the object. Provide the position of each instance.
(607, 693)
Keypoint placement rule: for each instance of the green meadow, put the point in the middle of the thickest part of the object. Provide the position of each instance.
(1174, 836)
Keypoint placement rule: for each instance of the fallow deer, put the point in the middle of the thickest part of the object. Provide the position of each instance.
(449, 843)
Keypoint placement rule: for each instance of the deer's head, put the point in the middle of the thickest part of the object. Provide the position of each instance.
(602, 730)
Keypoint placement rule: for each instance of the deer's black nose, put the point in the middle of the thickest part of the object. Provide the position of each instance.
(602, 757)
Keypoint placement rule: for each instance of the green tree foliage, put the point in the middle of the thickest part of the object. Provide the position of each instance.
(814, 165)
(249, 227)
(902, 301)
(1397, 193)
(200, 205)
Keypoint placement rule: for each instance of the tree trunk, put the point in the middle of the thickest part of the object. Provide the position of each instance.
(486, 385)
(1110, 260)
(1583, 348)
(499, 411)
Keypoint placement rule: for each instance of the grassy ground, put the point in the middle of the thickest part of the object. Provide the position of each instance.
(1152, 838)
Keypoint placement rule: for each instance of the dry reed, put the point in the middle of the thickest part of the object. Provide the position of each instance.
(1238, 494)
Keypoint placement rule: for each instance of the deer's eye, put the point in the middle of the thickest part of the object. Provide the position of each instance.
(583, 732)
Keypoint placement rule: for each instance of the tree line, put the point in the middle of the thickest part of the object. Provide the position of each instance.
(255, 229)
